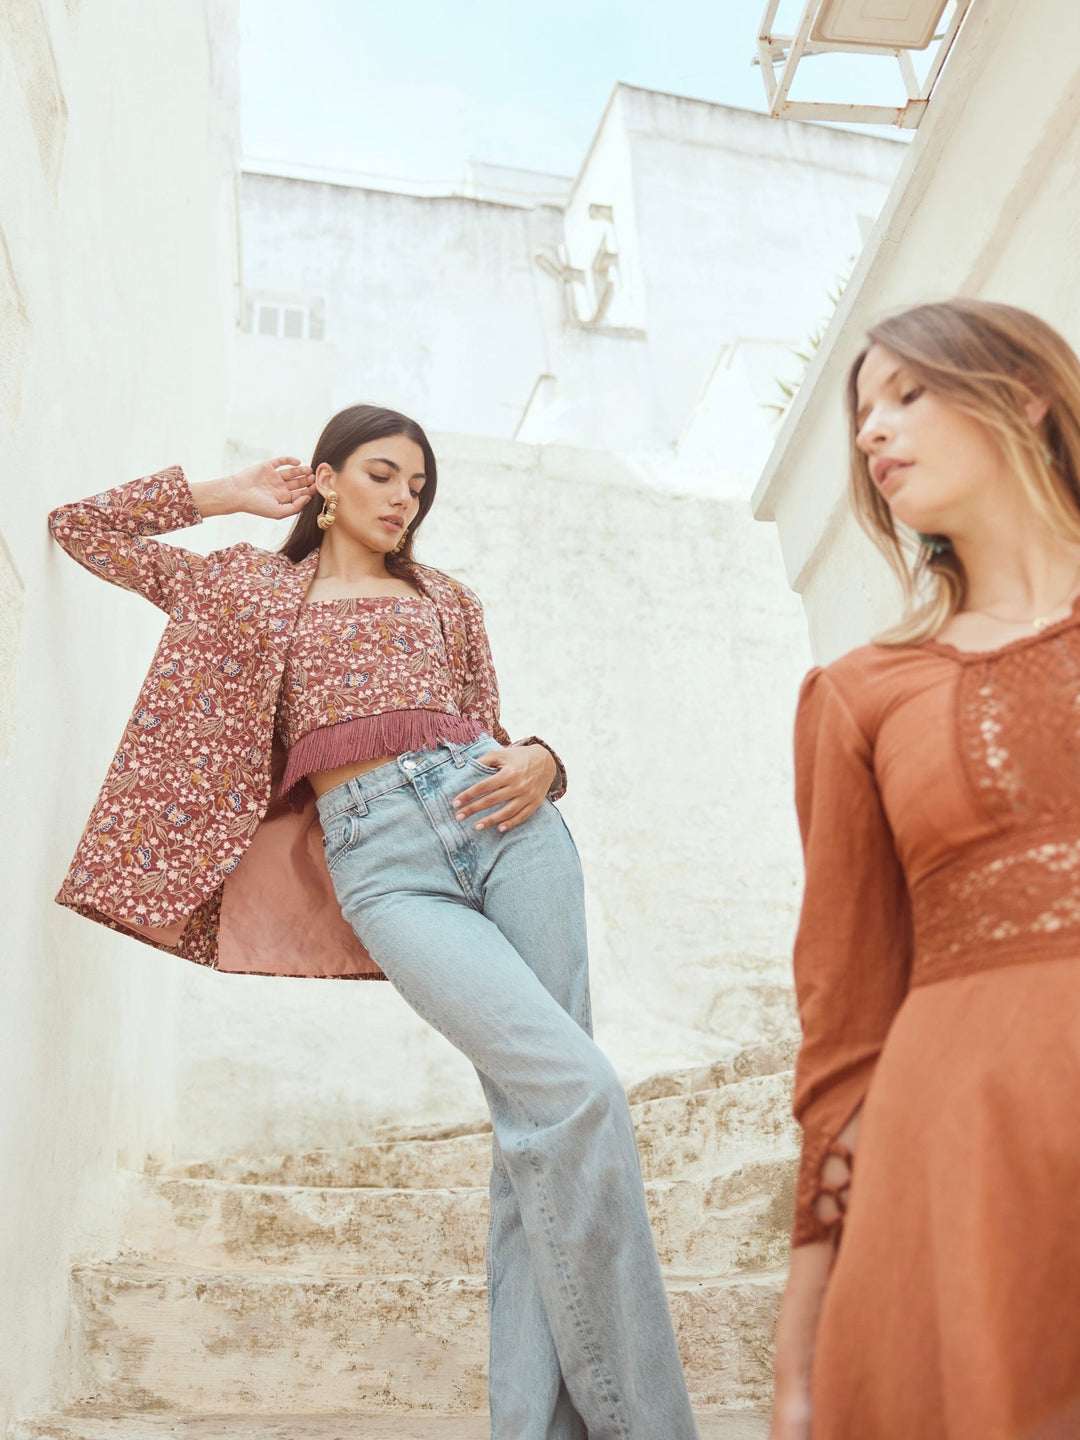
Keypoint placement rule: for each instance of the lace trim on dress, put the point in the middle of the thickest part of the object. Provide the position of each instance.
(996, 905)
(1014, 897)
(1014, 772)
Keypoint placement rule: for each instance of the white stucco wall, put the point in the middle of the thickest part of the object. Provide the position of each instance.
(431, 304)
(650, 636)
(987, 204)
(115, 197)
(734, 424)
(606, 179)
(744, 226)
(724, 228)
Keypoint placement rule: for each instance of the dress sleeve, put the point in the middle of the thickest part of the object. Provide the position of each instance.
(480, 694)
(853, 945)
(109, 534)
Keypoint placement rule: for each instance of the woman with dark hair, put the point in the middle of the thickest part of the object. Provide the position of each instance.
(315, 782)
(934, 1283)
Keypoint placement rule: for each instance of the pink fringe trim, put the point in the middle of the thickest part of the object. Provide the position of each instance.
(367, 737)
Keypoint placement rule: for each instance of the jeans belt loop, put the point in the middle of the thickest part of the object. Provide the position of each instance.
(357, 797)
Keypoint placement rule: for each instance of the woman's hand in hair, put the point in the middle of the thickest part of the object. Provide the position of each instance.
(275, 489)
(523, 778)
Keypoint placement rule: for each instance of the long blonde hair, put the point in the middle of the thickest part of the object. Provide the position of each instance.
(987, 360)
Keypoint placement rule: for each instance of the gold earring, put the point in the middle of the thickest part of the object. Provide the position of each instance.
(401, 543)
(327, 515)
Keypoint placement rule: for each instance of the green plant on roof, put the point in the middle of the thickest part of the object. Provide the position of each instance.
(805, 354)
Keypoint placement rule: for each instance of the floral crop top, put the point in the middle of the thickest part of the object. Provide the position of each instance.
(365, 677)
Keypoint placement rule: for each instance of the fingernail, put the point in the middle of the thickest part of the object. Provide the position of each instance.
(479, 825)
(502, 827)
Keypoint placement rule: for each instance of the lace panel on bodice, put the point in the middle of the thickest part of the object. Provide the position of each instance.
(1018, 719)
(1019, 729)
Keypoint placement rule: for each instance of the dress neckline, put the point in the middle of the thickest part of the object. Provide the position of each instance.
(966, 656)
(360, 599)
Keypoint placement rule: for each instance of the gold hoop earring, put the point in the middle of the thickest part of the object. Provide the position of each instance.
(328, 514)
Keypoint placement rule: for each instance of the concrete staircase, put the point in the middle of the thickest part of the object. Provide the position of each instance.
(341, 1296)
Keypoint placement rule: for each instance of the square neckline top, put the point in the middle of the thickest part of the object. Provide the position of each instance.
(366, 676)
(348, 599)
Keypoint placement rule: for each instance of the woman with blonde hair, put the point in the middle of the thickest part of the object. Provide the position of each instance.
(934, 1291)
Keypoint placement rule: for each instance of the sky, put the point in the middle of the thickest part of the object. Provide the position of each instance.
(415, 90)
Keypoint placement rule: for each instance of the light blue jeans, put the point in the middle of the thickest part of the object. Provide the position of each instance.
(484, 935)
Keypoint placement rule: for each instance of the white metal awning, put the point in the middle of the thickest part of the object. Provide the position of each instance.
(858, 27)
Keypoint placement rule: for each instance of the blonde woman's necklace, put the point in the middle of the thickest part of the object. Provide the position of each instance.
(1040, 622)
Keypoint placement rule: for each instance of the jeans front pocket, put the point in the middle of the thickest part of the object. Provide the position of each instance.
(340, 837)
(479, 764)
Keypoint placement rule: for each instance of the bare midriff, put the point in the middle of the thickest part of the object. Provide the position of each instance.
(323, 780)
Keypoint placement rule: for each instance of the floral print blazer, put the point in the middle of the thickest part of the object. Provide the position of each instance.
(184, 847)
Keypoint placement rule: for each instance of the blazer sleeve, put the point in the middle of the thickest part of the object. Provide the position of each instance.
(480, 695)
(110, 535)
(853, 944)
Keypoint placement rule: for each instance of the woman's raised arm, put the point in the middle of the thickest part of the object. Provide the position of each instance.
(275, 489)
(111, 534)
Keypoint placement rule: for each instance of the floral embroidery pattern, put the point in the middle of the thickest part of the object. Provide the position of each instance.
(361, 657)
(191, 777)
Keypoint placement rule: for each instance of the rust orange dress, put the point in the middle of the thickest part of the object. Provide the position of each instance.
(938, 978)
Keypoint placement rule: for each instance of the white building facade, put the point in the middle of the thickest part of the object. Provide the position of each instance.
(693, 232)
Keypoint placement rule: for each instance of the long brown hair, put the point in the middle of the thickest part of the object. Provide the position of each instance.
(986, 359)
(346, 432)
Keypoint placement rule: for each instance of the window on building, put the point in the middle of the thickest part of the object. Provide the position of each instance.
(289, 322)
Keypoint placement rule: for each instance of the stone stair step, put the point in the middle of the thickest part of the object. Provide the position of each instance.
(255, 1427)
(772, 1057)
(735, 1425)
(213, 1224)
(739, 1223)
(688, 1133)
(709, 1226)
(154, 1338)
(710, 1131)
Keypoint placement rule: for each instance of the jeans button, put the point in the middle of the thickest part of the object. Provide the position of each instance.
(409, 764)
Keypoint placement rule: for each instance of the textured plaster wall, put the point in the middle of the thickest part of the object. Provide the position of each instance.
(114, 196)
(712, 224)
(651, 637)
(987, 204)
(604, 184)
(432, 305)
(744, 226)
